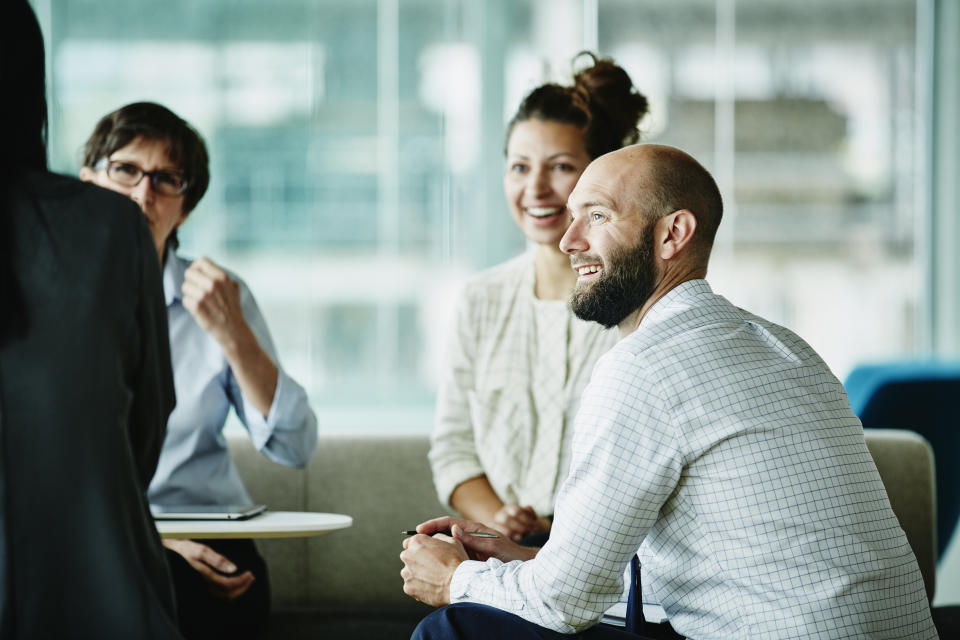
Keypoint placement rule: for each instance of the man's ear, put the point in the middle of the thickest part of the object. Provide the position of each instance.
(675, 232)
(86, 174)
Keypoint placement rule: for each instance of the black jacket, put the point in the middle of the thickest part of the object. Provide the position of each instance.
(85, 391)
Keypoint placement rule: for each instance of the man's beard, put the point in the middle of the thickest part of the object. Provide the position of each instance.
(626, 282)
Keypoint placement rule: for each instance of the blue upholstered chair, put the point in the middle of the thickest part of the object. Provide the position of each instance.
(921, 396)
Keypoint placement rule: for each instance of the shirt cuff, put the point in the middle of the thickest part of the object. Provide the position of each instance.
(460, 583)
(283, 410)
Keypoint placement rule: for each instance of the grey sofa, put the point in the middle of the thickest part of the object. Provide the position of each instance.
(347, 584)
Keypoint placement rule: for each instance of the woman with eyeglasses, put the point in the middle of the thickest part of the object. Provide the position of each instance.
(517, 358)
(223, 357)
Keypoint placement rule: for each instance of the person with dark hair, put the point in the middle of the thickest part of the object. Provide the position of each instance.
(517, 358)
(148, 122)
(85, 386)
(714, 454)
(223, 357)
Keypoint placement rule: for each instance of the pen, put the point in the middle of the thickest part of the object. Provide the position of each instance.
(477, 534)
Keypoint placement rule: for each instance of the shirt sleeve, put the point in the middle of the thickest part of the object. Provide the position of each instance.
(453, 451)
(626, 463)
(288, 433)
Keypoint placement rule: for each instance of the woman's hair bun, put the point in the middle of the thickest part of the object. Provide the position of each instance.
(602, 100)
(616, 106)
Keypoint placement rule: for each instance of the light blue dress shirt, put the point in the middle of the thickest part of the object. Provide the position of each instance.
(195, 466)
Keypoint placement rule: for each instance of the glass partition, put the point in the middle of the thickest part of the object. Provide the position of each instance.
(357, 157)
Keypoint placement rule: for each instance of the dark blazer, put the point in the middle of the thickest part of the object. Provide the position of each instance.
(85, 391)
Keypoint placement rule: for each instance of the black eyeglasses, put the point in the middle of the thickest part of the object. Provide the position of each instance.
(168, 183)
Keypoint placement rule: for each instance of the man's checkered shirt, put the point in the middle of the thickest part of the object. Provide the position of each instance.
(723, 448)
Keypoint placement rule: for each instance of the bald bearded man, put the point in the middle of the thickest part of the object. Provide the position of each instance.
(712, 448)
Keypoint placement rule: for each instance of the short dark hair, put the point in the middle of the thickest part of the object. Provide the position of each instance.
(152, 121)
(602, 101)
(678, 181)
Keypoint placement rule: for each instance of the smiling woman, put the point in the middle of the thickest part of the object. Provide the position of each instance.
(544, 160)
(518, 359)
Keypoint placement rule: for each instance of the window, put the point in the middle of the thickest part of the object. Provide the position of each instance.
(357, 154)
(805, 113)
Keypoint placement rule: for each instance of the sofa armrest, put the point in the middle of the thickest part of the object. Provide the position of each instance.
(906, 465)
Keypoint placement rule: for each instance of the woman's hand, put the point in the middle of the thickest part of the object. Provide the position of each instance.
(213, 567)
(515, 521)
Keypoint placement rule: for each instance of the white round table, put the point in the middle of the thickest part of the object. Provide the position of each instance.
(271, 524)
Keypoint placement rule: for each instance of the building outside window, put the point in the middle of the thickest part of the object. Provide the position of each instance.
(357, 151)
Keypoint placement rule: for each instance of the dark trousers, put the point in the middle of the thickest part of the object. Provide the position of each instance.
(468, 621)
(203, 615)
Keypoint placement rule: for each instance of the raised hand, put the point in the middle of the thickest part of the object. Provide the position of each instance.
(213, 298)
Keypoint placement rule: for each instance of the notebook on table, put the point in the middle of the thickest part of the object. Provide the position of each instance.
(207, 512)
